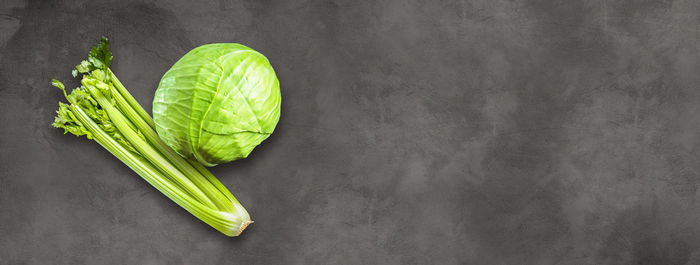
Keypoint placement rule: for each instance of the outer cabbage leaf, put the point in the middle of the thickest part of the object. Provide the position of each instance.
(217, 103)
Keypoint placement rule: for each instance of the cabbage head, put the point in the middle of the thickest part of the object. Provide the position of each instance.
(217, 103)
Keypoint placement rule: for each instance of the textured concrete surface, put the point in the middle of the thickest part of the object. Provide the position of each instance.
(413, 132)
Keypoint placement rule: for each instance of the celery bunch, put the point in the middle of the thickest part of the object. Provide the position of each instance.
(103, 110)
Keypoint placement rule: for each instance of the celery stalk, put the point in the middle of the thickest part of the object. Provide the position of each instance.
(103, 110)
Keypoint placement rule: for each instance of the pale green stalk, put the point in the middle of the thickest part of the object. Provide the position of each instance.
(103, 110)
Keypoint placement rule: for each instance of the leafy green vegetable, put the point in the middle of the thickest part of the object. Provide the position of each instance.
(217, 103)
(103, 110)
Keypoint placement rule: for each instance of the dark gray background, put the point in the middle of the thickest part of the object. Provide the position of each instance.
(412, 132)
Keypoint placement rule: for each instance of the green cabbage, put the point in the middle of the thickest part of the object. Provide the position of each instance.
(217, 103)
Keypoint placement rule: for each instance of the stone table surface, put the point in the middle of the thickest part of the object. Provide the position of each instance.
(412, 132)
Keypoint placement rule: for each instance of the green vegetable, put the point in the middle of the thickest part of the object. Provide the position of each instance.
(103, 110)
(217, 103)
